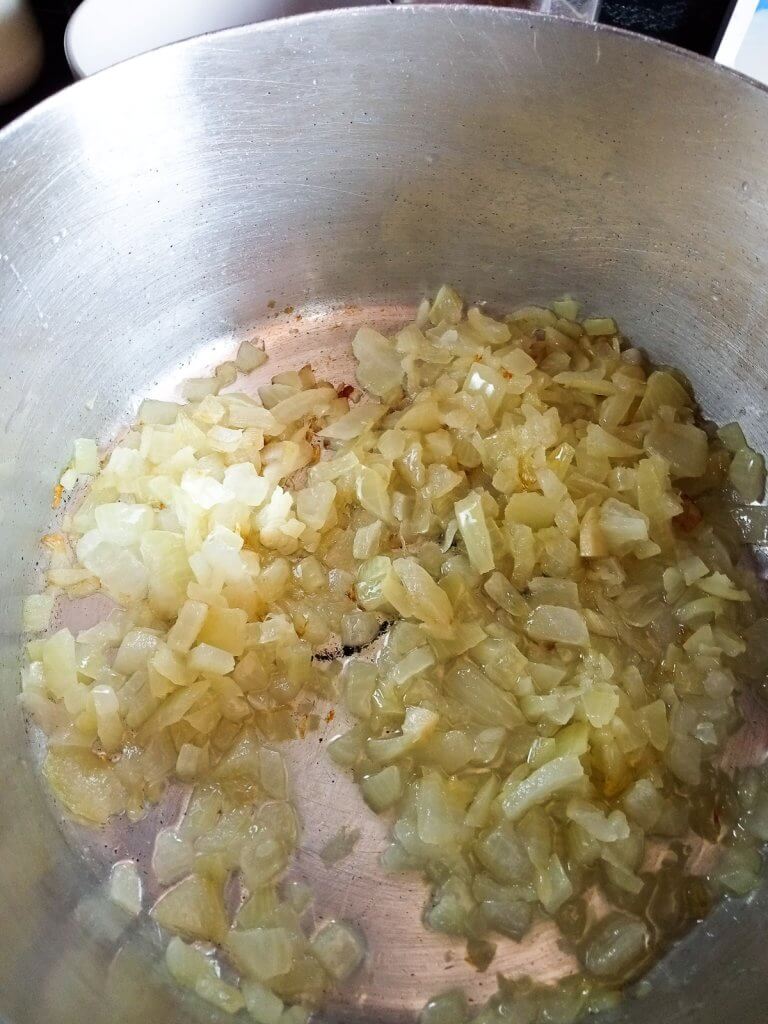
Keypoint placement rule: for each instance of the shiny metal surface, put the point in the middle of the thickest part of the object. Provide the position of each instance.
(344, 164)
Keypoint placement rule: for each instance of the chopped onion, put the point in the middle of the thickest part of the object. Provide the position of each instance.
(125, 887)
(519, 524)
(187, 964)
(193, 909)
(38, 609)
(339, 948)
(86, 458)
(683, 446)
(379, 369)
(264, 1006)
(250, 357)
(747, 474)
(474, 532)
(555, 624)
(261, 953)
(596, 326)
(541, 785)
(617, 945)
(383, 789)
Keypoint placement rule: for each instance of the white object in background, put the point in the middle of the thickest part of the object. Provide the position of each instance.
(103, 32)
(21, 49)
(744, 45)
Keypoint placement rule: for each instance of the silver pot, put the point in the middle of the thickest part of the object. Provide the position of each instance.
(345, 164)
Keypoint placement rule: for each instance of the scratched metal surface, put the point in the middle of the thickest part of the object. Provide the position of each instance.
(344, 164)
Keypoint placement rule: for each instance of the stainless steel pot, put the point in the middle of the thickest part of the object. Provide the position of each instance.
(344, 164)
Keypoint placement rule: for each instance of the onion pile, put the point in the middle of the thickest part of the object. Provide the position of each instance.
(516, 509)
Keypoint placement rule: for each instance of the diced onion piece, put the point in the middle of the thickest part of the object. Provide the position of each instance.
(643, 803)
(125, 887)
(531, 509)
(221, 995)
(419, 723)
(272, 773)
(360, 680)
(616, 945)
(595, 326)
(69, 479)
(206, 658)
(447, 306)
(692, 568)
(224, 629)
(193, 909)
(558, 625)
(204, 491)
(606, 828)
(187, 626)
(59, 664)
(37, 612)
(358, 629)
(373, 495)
(314, 504)
(567, 308)
(197, 388)
(121, 523)
(383, 789)
(187, 964)
(483, 701)
(600, 442)
(368, 540)
(436, 820)
(553, 886)
(87, 786)
(652, 719)
(487, 382)
(243, 482)
(474, 532)
(622, 526)
(556, 775)
(137, 647)
(592, 540)
(262, 860)
(428, 601)
(738, 869)
(500, 590)
(747, 474)
(312, 402)
(339, 948)
(413, 664)
(261, 953)
(354, 423)
(109, 726)
(86, 458)
(226, 373)
(478, 812)
(600, 704)
(683, 446)
(153, 411)
(172, 857)
(379, 369)
(662, 389)
(719, 585)
(264, 1006)
(493, 332)
(732, 437)
(249, 357)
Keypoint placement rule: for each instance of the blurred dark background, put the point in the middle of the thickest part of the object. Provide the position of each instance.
(693, 24)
